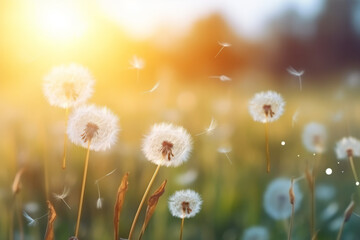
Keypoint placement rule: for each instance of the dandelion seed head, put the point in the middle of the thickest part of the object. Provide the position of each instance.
(137, 63)
(277, 201)
(314, 137)
(68, 86)
(185, 203)
(167, 145)
(347, 147)
(266, 106)
(96, 124)
(256, 233)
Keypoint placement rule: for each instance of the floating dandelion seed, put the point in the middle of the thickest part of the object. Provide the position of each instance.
(222, 78)
(256, 233)
(100, 200)
(138, 64)
(33, 221)
(153, 88)
(93, 128)
(184, 204)
(266, 107)
(209, 130)
(188, 177)
(222, 45)
(314, 137)
(277, 201)
(67, 86)
(295, 117)
(166, 145)
(62, 196)
(348, 147)
(225, 150)
(296, 73)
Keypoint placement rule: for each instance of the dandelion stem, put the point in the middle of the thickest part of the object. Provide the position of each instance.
(291, 220)
(300, 83)
(267, 147)
(341, 230)
(312, 226)
(142, 202)
(182, 227)
(65, 138)
(353, 168)
(82, 189)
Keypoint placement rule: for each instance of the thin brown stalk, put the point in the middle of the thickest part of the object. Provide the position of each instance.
(182, 228)
(152, 202)
(292, 202)
(65, 138)
(17, 183)
(49, 235)
(347, 214)
(267, 147)
(142, 202)
(82, 189)
(353, 169)
(310, 177)
(120, 198)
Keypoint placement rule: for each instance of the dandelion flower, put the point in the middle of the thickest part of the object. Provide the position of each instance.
(349, 147)
(256, 233)
(184, 204)
(93, 124)
(167, 145)
(67, 86)
(277, 201)
(314, 137)
(266, 107)
(93, 128)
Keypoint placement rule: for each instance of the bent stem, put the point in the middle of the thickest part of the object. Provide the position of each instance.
(353, 169)
(142, 202)
(65, 138)
(291, 220)
(182, 227)
(267, 147)
(341, 230)
(82, 189)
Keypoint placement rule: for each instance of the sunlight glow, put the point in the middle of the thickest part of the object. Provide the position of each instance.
(62, 21)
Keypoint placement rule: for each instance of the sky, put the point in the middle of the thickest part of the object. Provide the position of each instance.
(248, 18)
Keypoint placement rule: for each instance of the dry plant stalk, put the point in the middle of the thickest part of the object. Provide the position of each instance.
(152, 202)
(310, 177)
(16, 183)
(119, 203)
(347, 214)
(292, 202)
(51, 219)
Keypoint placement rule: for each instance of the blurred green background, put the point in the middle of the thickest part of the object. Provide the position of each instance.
(320, 37)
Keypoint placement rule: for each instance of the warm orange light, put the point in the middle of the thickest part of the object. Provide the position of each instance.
(61, 21)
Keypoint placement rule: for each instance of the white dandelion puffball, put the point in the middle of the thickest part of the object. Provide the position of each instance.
(314, 137)
(277, 201)
(266, 106)
(185, 203)
(67, 86)
(256, 233)
(347, 147)
(96, 124)
(167, 145)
